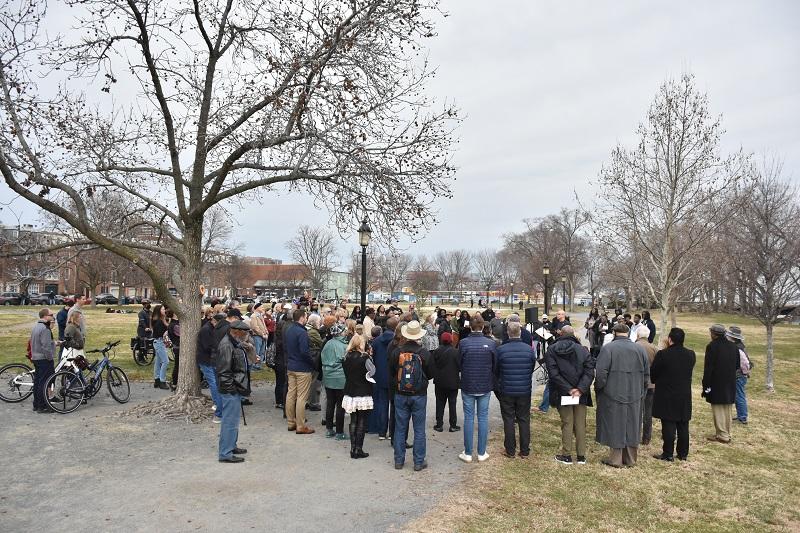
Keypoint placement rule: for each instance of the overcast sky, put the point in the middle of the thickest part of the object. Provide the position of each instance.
(549, 88)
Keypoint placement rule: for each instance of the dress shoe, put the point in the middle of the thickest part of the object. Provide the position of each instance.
(163, 386)
(398, 466)
(313, 407)
(453, 429)
(43, 410)
(232, 459)
(239, 451)
(438, 428)
(662, 457)
(714, 438)
(247, 402)
(508, 455)
(359, 454)
(305, 430)
(422, 466)
(292, 428)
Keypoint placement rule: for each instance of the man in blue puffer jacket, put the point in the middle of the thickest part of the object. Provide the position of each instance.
(513, 376)
(477, 382)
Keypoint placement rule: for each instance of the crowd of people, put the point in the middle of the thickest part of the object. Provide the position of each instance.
(375, 365)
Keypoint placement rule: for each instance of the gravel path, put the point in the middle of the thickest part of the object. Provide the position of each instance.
(92, 470)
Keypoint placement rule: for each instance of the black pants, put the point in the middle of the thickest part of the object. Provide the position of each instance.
(176, 352)
(647, 416)
(358, 427)
(333, 402)
(668, 430)
(448, 396)
(516, 410)
(44, 369)
(280, 383)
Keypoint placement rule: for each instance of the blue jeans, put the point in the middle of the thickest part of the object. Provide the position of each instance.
(379, 417)
(469, 401)
(229, 428)
(409, 408)
(741, 399)
(258, 344)
(162, 360)
(210, 375)
(545, 405)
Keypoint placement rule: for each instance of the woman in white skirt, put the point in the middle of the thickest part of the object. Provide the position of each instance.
(358, 371)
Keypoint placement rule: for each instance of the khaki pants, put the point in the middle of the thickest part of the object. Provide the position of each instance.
(573, 422)
(623, 456)
(722, 420)
(299, 384)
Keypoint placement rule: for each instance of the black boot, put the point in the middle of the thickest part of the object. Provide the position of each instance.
(360, 454)
(156, 383)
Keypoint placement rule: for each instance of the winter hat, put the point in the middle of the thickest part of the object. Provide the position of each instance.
(447, 338)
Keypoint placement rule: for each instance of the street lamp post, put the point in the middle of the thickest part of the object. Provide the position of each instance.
(511, 297)
(564, 292)
(546, 272)
(364, 235)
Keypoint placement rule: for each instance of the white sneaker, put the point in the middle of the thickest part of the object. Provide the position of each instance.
(482, 458)
(464, 457)
(214, 408)
(217, 420)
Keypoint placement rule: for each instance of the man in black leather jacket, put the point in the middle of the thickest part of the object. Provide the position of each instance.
(234, 382)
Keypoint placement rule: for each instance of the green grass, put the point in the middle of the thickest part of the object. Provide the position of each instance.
(101, 328)
(750, 485)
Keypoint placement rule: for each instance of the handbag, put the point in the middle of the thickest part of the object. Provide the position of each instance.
(269, 356)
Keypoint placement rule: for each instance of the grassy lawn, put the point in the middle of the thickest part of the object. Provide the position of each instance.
(102, 327)
(750, 485)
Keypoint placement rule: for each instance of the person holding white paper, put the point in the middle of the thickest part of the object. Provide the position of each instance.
(571, 370)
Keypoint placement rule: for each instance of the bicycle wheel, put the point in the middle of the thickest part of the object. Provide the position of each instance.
(142, 356)
(16, 382)
(118, 385)
(67, 391)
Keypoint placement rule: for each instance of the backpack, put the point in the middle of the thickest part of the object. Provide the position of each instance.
(410, 376)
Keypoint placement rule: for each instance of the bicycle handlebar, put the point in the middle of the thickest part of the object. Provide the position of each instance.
(109, 346)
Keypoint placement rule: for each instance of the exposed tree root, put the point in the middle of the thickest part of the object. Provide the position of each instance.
(193, 409)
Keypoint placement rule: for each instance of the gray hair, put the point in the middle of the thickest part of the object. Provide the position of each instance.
(642, 332)
(567, 331)
(514, 330)
(513, 317)
(313, 320)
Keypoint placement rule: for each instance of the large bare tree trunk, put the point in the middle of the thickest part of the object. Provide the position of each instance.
(770, 370)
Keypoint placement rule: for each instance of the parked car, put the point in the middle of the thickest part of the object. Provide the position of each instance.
(10, 298)
(106, 298)
(38, 299)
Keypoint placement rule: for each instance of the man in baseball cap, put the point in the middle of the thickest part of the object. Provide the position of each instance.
(719, 381)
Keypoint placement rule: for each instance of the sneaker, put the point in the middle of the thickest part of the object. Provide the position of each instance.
(438, 428)
(217, 420)
(330, 434)
(453, 429)
(464, 457)
(581, 460)
(342, 436)
(398, 466)
(482, 458)
(381, 437)
(564, 459)
(214, 408)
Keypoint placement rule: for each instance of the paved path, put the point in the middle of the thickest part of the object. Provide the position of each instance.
(92, 470)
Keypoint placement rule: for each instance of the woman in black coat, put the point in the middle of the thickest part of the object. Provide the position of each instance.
(672, 401)
(463, 327)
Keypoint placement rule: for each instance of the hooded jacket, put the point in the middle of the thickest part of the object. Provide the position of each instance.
(231, 364)
(569, 366)
(333, 354)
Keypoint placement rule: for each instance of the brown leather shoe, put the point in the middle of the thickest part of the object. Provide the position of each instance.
(292, 428)
(305, 430)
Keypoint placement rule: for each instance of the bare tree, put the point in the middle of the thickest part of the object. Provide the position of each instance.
(393, 268)
(537, 245)
(666, 192)
(568, 225)
(315, 249)
(374, 278)
(424, 279)
(453, 267)
(767, 243)
(489, 268)
(234, 100)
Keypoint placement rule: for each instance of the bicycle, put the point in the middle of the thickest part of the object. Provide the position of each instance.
(71, 389)
(143, 351)
(16, 379)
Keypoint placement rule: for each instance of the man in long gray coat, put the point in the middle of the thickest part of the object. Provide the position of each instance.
(623, 374)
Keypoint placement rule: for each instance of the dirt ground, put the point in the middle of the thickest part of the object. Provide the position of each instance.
(92, 470)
